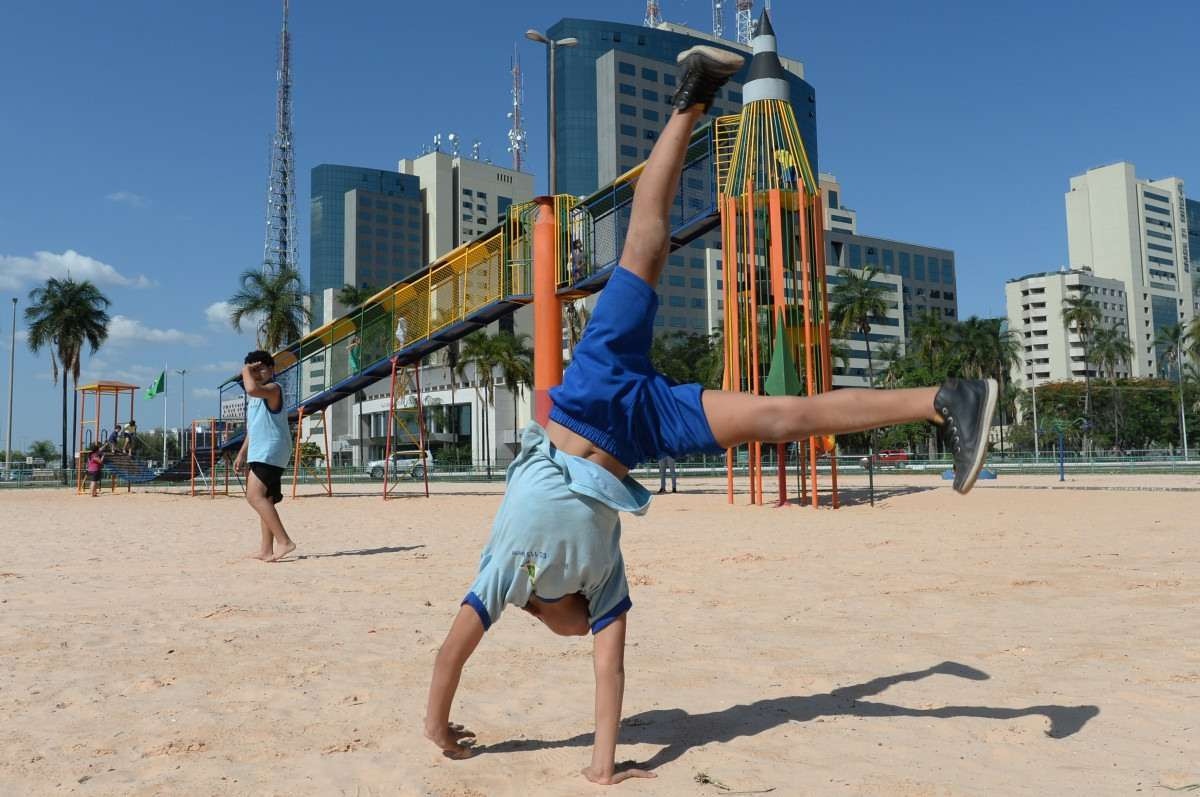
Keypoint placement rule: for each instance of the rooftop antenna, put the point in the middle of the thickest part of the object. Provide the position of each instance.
(718, 18)
(745, 20)
(454, 141)
(437, 142)
(475, 145)
(280, 250)
(517, 143)
(653, 14)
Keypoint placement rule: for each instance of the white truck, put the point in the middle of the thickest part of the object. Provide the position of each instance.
(403, 463)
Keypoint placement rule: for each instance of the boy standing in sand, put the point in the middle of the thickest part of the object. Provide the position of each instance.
(554, 549)
(267, 449)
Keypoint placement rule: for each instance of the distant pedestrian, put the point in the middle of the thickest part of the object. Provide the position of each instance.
(578, 261)
(129, 437)
(663, 464)
(95, 466)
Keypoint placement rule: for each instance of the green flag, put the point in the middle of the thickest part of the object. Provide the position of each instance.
(158, 386)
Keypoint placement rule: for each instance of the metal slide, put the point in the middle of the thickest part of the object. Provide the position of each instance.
(480, 282)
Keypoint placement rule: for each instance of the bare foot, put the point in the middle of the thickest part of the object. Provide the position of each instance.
(264, 555)
(287, 549)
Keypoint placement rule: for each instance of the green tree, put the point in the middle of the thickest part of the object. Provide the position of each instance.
(1110, 350)
(930, 340)
(856, 302)
(514, 358)
(688, 357)
(480, 352)
(41, 449)
(351, 297)
(1173, 340)
(1081, 316)
(63, 317)
(577, 317)
(276, 301)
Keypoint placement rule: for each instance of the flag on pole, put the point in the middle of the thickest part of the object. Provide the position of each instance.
(157, 386)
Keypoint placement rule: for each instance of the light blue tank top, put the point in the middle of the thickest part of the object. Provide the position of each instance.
(270, 435)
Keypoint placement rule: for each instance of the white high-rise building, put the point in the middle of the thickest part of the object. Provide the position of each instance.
(1050, 352)
(1135, 231)
(463, 197)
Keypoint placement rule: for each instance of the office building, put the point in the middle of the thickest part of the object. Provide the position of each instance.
(613, 97)
(463, 197)
(1137, 232)
(1050, 352)
(366, 230)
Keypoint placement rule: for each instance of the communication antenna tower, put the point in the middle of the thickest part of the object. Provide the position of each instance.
(280, 250)
(454, 142)
(745, 20)
(653, 14)
(517, 143)
(475, 147)
(718, 18)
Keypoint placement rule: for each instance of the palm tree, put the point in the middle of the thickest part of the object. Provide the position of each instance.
(840, 352)
(350, 297)
(1083, 314)
(1111, 349)
(1174, 340)
(931, 340)
(277, 298)
(479, 351)
(1193, 335)
(856, 302)
(514, 358)
(63, 316)
(577, 320)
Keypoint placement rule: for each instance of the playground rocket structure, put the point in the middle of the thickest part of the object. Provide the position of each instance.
(776, 339)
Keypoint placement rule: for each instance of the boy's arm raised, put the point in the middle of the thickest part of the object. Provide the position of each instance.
(460, 643)
(609, 662)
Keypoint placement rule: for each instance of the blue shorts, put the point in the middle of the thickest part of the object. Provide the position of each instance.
(612, 395)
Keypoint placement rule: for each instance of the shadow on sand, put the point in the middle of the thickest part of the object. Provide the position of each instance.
(356, 552)
(680, 731)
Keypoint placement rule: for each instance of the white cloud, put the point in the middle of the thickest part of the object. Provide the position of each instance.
(222, 367)
(22, 337)
(205, 392)
(123, 330)
(16, 270)
(128, 198)
(218, 315)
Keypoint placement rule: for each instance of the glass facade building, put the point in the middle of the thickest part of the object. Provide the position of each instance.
(388, 225)
(928, 274)
(577, 103)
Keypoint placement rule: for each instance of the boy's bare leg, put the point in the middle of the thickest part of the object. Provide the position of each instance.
(649, 237)
(256, 496)
(266, 548)
(736, 418)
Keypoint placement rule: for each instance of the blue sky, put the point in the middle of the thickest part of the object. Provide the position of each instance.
(134, 136)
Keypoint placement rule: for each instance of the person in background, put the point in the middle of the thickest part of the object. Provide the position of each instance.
(95, 466)
(663, 464)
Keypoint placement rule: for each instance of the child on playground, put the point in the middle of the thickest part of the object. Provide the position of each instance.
(95, 464)
(554, 549)
(128, 437)
(266, 449)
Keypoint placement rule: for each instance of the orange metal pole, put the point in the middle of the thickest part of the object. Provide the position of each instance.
(730, 273)
(755, 446)
(818, 214)
(778, 294)
(547, 310)
(809, 345)
(296, 453)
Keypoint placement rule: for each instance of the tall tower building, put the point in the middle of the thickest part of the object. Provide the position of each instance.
(614, 95)
(463, 197)
(280, 249)
(365, 230)
(1137, 232)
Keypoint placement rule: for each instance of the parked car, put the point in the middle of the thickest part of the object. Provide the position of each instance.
(891, 456)
(403, 463)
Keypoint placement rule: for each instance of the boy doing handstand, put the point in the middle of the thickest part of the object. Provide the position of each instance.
(554, 549)
(267, 449)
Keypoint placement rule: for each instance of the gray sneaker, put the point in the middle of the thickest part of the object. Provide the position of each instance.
(966, 407)
(702, 71)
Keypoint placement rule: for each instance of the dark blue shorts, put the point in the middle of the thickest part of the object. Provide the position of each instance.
(612, 395)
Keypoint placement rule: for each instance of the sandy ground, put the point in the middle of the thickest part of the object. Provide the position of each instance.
(1023, 640)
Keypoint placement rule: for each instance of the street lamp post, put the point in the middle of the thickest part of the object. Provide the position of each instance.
(12, 358)
(182, 392)
(552, 44)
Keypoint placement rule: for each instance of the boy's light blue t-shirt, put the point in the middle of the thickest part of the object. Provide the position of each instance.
(270, 435)
(557, 532)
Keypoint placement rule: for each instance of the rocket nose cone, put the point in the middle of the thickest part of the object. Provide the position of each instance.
(763, 26)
